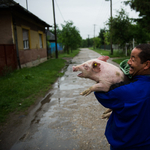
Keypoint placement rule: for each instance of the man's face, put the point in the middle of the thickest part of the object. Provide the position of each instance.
(136, 68)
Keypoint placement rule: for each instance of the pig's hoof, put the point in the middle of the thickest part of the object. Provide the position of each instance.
(85, 93)
(107, 114)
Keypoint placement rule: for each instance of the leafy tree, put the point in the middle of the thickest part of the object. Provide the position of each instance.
(143, 7)
(106, 37)
(58, 31)
(121, 28)
(97, 42)
(84, 43)
(69, 36)
(139, 34)
(87, 42)
(101, 36)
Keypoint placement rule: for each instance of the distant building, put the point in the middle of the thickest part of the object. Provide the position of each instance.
(52, 46)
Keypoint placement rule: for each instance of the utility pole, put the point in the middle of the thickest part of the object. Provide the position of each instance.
(94, 35)
(133, 42)
(27, 4)
(88, 40)
(56, 52)
(110, 26)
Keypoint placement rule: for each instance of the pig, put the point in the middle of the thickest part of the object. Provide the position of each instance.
(104, 73)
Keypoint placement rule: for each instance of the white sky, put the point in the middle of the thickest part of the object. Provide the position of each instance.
(83, 13)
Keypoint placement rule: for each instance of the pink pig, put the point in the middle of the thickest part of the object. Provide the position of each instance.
(105, 74)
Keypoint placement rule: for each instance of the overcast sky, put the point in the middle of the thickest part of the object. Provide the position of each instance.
(83, 13)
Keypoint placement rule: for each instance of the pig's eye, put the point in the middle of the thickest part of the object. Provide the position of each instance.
(94, 65)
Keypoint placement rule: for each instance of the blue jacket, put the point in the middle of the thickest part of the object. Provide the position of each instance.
(128, 127)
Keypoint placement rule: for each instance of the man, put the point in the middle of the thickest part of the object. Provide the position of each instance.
(128, 127)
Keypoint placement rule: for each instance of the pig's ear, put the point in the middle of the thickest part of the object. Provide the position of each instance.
(96, 66)
(103, 58)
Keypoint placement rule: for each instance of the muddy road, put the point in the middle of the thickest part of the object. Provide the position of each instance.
(63, 119)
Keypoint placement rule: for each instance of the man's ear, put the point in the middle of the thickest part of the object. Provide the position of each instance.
(147, 66)
(96, 67)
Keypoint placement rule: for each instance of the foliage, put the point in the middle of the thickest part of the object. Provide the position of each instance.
(139, 34)
(107, 37)
(121, 25)
(101, 35)
(117, 53)
(69, 36)
(97, 42)
(58, 31)
(118, 61)
(143, 7)
(74, 53)
(87, 42)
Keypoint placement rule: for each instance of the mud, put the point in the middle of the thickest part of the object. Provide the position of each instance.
(63, 119)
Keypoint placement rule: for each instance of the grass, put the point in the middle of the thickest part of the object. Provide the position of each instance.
(116, 53)
(120, 60)
(21, 88)
(74, 53)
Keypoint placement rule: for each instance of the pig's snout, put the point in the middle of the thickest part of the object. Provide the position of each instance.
(74, 68)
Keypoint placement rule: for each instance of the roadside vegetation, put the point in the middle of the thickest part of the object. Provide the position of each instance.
(118, 55)
(122, 31)
(21, 88)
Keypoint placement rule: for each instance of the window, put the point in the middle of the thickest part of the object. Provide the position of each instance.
(25, 39)
(40, 39)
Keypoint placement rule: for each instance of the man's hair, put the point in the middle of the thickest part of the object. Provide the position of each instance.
(145, 52)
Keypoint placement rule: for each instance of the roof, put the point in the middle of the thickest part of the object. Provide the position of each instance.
(12, 5)
(51, 36)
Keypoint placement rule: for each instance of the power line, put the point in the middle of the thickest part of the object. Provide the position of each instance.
(60, 11)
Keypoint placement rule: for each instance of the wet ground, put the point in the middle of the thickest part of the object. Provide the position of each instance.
(63, 119)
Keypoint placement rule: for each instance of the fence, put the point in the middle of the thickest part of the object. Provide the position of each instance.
(8, 57)
(105, 47)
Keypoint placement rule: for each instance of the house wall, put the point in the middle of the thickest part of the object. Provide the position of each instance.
(6, 36)
(34, 55)
(28, 57)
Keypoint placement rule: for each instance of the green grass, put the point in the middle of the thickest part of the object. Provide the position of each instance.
(116, 53)
(74, 53)
(120, 60)
(21, 88)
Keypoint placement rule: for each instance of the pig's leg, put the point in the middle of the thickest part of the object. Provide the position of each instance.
(86, 92)
(107, 113)
(97, 87)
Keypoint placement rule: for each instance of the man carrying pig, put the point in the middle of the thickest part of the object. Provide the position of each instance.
(128, 127)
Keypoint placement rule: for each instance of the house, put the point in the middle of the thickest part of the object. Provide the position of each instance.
(22, 36)
(52, 46)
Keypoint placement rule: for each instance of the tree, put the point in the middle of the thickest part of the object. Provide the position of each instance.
(97, 42)
(139, 34)
(106, 37)
(121, 28)
(87, 42)
(69, 36)
(143, 7)
(101, 36)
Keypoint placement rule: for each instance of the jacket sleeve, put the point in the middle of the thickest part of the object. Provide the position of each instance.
(110, 99)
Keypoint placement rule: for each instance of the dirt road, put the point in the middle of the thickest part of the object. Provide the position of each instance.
(65, 120)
